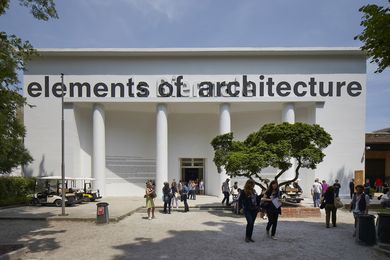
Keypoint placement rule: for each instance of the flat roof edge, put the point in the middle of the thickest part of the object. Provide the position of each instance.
(82, 52)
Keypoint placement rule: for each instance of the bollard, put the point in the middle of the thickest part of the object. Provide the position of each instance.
(383, 227)
(365, 230)
(102, 215)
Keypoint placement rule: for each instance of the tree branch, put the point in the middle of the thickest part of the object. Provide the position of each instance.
(296, 174)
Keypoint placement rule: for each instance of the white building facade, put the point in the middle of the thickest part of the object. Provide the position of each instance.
(138, 114)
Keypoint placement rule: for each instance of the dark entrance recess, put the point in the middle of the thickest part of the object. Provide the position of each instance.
(192, 169)
(191, 174)
(375, 168)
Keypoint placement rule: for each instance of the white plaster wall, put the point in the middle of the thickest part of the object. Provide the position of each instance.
(189, 136)
(345, 121)
(129, 134)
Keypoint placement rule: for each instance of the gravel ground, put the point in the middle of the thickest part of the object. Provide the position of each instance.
(197, 234)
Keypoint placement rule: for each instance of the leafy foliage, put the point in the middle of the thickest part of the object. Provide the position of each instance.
(274, 145)
(14, 52)
(376, 34)
(15, 190)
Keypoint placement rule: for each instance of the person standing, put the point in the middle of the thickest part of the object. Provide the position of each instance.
(329, 206)
(378, 184)
(359, 204)
(272, 196)
(234, 191)
(336, 187)
(150, 194)
(324, 186)
(351, 187)
(367, 187)
(248, 201)
(174, 194)
(225, 191)
(201, 187)
(184, 196)
(167, 195)
(316, 191)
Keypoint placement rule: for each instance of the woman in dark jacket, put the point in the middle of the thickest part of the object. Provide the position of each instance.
(248, 201)
(167, 192)
(272, 200)
(328, 199)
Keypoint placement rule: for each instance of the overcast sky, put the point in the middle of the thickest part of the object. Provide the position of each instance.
(206, 23)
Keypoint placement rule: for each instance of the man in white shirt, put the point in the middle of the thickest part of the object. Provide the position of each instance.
(226, 192)
(316, 191)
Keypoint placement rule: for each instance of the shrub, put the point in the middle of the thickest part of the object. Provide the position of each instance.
(15, 190)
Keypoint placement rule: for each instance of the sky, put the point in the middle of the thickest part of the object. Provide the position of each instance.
(206, 23)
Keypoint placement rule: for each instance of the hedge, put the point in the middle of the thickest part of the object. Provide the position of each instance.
(15, 190)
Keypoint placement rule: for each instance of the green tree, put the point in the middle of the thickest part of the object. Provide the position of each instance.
(273, 145)
(14, 52)
(376, 34)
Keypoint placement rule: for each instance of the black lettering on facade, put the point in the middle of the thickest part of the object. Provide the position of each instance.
(121, 89)
(142, 89)
(283, 89)
(321, 89)
(130, 85)
(57, 89)
(206, 89)
(165, 89)
(34, 89)
(220, 85)
(179, 84)
(312, 84)
(248, 86)
(100, 89)
(79, 86)
(270, 84)
(296, 90)
(230, 86)
(354, 89)
(338, 88)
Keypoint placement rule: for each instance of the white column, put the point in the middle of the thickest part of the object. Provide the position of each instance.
(224, 127)
(99, 148)
(288, 116)
(162, 147)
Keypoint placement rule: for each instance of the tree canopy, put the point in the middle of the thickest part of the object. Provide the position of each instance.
(14, 52)
(273, 145)
(376, 34)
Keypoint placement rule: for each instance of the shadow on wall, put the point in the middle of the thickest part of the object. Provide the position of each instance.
(29, 172)
(344, 179)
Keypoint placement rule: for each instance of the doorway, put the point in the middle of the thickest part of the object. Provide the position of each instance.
(192, 169)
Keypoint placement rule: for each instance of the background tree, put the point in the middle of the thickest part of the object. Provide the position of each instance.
(376, 34)
(274, 145)
(13, 54)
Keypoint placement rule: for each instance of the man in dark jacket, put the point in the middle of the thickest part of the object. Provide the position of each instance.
(359, 204)
(351, 187)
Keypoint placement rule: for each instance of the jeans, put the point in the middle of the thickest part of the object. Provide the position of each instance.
(250, 216)
(273, 216)
(316, 199)
(184, 197)
(167, 202)
(226, 197)
(330, 208)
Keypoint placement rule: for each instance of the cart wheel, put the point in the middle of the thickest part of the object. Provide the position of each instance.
(58, 203)
(34, 202)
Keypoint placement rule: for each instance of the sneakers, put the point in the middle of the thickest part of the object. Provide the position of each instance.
(274, 238)
(150, 218)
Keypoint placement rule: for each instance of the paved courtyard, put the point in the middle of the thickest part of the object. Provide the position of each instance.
(198, 234)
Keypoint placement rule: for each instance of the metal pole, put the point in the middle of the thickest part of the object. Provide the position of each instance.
(62, 147)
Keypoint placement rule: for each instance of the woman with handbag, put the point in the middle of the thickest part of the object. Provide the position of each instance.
(329, 201)
(150, 194)
(248, 201)
(272, 199)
